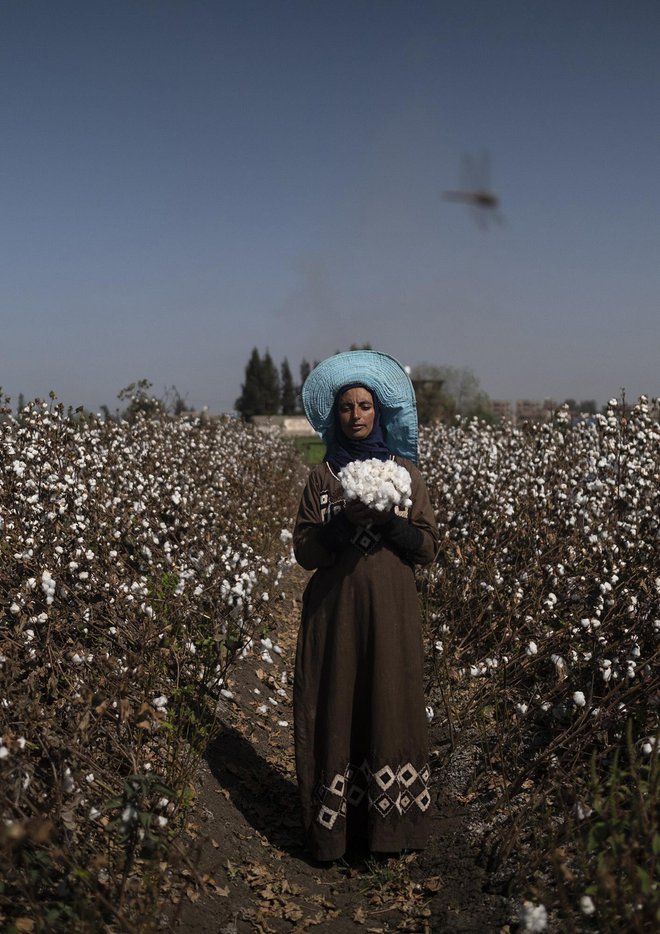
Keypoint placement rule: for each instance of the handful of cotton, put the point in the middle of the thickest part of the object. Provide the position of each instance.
(378, 484)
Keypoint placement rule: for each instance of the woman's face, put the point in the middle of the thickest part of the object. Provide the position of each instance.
(356, 413)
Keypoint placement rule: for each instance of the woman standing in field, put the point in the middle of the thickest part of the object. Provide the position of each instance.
(359, 713)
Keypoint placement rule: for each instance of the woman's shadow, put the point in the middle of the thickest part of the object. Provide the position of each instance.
(268, 801)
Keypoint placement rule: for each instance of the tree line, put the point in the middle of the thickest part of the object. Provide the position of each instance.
(269, 390)
(442, 391)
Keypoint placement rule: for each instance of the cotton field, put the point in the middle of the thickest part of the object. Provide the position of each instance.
(138, 560)
(545, 614)
(141, 560)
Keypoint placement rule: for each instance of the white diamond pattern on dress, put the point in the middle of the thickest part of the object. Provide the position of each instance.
(407, 774)
(385, 777)
(389, 790)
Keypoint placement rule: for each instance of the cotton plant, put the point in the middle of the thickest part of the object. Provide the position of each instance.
(550, 537)
(382, 485)
(503, 496)
(133, 555)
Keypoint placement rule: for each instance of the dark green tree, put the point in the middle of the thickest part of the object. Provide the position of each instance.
(251, 400)
(260, 393)
(287, 389)
(271, 386)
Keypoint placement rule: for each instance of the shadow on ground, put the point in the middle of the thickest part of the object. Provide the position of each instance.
(267, 799)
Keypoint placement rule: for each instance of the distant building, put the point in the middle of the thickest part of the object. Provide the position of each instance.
(502, 409)
(532, 410)
(292, 426)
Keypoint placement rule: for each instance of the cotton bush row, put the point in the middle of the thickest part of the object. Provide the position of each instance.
(551, 537)
(545, 600)
(137, 561)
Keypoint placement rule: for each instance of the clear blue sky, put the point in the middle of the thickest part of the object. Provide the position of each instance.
(181, 180)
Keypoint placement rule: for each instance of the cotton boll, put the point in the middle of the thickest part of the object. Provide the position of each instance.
(587, 906)
(582, 811)
(378, 484)
(533, 917)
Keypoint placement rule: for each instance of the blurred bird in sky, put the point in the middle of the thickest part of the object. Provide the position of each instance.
(475, 189)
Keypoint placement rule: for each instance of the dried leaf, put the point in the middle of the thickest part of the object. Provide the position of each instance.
(83, 723)
(292, 912)
(432, 884)
(68, 819)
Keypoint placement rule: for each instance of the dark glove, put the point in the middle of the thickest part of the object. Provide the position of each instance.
(402, 536)
(336, 533)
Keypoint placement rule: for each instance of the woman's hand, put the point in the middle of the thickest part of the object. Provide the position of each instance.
(360, 514)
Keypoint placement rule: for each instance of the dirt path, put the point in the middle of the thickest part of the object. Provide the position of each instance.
(252, 871)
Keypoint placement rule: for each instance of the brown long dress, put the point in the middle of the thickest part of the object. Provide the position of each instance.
(359, 712)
